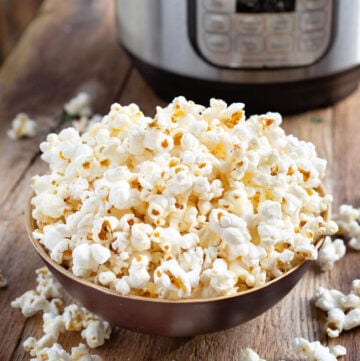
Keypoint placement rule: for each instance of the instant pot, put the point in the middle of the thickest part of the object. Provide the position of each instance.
(286, 55)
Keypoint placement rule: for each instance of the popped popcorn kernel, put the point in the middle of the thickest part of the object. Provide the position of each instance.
(81, 353)
(348, 221)
(249, 355)
(343, 311)
(193, 202)
(47, 286)
(32, 302)
(96, 332)
(22, 126)
(79, 105)
(84, 123)
(330, 252)
(315, 351)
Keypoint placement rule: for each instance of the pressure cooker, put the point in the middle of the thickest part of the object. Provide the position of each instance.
(285, 55)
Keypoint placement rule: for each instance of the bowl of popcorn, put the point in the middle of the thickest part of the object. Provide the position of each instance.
(191, 221)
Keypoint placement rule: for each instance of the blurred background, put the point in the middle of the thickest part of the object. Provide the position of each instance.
(15, 15)
(51, 50)
(287, 55)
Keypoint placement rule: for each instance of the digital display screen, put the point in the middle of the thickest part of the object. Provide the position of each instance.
(264, 6)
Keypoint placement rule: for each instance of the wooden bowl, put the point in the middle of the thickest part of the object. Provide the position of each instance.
(181, 318)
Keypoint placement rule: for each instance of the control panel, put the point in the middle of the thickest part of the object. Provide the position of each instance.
(262, 33)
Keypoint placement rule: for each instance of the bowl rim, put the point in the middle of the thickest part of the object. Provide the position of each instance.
(40, 249)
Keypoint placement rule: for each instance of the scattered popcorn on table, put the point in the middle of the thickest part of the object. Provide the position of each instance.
(330, 252)
(347, 220)
(56, 352)
(81, 353)
(3, 280)
(315, 351)
(32, 302)
(47, 286)
(22, 126)
(95, 332)
(93, 329)
(343, 311)
(37, 300)
(194, 202)
(249, 355)
(79, 105)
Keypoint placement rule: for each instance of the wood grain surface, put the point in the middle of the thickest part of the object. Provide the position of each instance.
(38, 79)
(15, 16)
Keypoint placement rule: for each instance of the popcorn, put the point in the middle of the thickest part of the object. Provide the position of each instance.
(81, 353)
(96, 332)
(119, 195)
(22, 126)
(47, 286)
(138, 274)
(122, 286)
(326, 299)
(31, 302)
(84, 123)
(347, 220)
(88, 258)
(232, 229)
(48, 206)
(53, 325)
(194, 202)
(220, 280)
(170, 276)
(79, 105)
(55, 352)
(93, 329)
(103, 228)
(249, 355)
(343, 311)
(315, 351)
(106, 278)
(303, 246)
(352, 319)
(73, 318)
(335, 322)
(39, 347)
(330, 252)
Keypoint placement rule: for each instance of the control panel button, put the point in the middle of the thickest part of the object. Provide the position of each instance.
(219, 5)
(314, 4)
(312, 41)
(312, 20)
(219, 23)
(248, 24)
(280, 43)
(248, 44)
(280, 23)
(217, 42)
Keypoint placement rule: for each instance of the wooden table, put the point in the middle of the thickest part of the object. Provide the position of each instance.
(30, 81)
